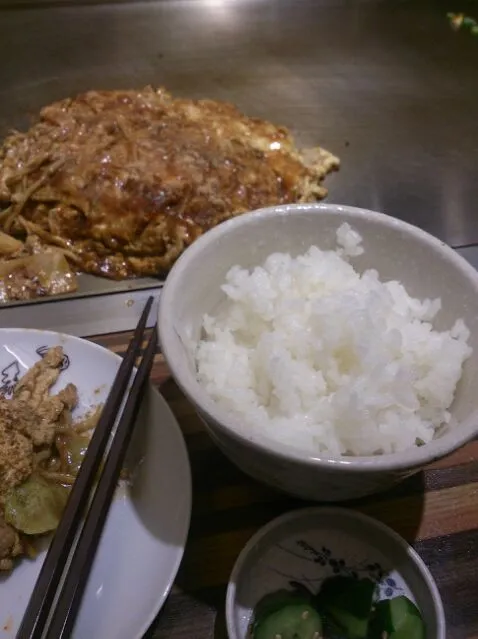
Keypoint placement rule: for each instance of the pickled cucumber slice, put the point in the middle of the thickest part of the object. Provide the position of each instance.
(347, 602)
(397, 618)
(277, 600)
(293, 621)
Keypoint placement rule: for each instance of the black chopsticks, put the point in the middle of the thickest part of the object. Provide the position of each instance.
(51, 612)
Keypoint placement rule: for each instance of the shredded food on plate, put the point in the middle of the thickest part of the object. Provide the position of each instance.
(121, 182)
(41, 450)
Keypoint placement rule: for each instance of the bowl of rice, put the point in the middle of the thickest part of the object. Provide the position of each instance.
(330, 351)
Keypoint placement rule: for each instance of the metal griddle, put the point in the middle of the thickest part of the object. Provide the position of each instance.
(385, 84)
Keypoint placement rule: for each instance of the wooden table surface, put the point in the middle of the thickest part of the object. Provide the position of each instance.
(436, 511)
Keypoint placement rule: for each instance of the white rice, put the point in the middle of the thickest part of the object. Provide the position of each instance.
(312, 353)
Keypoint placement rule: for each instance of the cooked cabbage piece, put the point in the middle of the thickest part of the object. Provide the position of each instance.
(37, 275)
(35, 507)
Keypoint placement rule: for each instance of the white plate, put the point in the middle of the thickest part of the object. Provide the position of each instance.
(147, 526)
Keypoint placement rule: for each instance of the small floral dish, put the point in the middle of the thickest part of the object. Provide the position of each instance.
(302, 549)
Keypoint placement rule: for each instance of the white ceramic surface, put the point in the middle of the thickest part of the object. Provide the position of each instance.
(147, 526)
(425, 265)
(308, 546)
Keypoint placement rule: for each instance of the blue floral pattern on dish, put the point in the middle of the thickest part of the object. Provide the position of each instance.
(333, 564)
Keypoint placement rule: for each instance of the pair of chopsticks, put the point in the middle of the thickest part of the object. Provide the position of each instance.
(56, 598)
